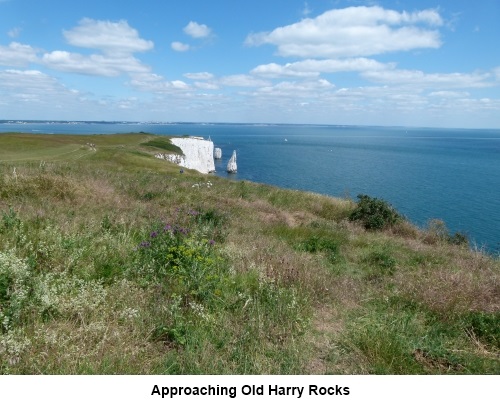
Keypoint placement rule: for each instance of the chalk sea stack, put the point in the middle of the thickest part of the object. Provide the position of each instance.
(231, 165)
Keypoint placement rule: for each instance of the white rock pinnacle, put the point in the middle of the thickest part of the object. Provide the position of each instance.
(231, 165)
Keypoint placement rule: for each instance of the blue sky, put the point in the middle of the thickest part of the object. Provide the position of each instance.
(414, 63)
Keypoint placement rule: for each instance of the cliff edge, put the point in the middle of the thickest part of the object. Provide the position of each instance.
(198, 154)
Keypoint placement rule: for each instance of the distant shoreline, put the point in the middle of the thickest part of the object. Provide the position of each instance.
(256, 124)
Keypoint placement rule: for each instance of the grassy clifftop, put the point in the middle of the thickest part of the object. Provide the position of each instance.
(111, 261)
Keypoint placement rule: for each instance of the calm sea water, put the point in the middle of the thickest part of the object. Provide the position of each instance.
(449, 174)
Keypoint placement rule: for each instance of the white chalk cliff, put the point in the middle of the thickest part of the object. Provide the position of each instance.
(231, 165)
(198, 154)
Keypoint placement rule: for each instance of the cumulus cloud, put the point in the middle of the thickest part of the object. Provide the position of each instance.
(179, 46)
(304, 89)
(107, 36)
(354, 31)
(17, 54)
(195, 30)
(116, 41)
(314, 67)
(14, 78)
(97, 65)
(32, 86)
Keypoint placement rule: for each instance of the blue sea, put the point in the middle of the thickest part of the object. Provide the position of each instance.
(448, 174)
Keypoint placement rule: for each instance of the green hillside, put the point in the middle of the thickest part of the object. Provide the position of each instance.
(114, 262)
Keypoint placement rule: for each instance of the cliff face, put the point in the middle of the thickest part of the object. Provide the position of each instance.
(198, 154)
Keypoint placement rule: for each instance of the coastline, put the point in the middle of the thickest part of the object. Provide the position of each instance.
(425, 173)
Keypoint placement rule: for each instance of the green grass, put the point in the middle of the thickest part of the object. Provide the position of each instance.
(164, 144)
(111, 262)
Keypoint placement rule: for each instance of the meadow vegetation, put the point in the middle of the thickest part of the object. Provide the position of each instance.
(113, 262)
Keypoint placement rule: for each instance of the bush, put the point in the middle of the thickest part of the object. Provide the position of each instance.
(438, 232)
(374, 213)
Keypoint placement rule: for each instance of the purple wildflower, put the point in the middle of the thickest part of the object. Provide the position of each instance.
(211, 242)
(167, 228)
(154, 234)
(145, 244)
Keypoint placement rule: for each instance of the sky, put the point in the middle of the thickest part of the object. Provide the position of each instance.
(427, 63)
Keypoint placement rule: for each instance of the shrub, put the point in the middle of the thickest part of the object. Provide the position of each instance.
(374, 213)
(438, 231)
(459, 239)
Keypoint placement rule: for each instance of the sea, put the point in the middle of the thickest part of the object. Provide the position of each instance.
(426, 173)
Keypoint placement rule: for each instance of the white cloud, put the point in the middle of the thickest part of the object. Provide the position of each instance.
(417, 78)
(32, 86)
(96, 65)
(274, 70)
(153, 83)
(179, 46)
(304, 89)
(206, 85)
(199, 76)
(314, 67)
(179, 84)
(449, 94)
(107, 36)
(353, 31)
(17, 55)
(116, 40)
(195, 30)
(14, 78)
(242, 81)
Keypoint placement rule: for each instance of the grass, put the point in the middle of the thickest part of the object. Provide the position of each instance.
(163, 143)
(112, 262)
